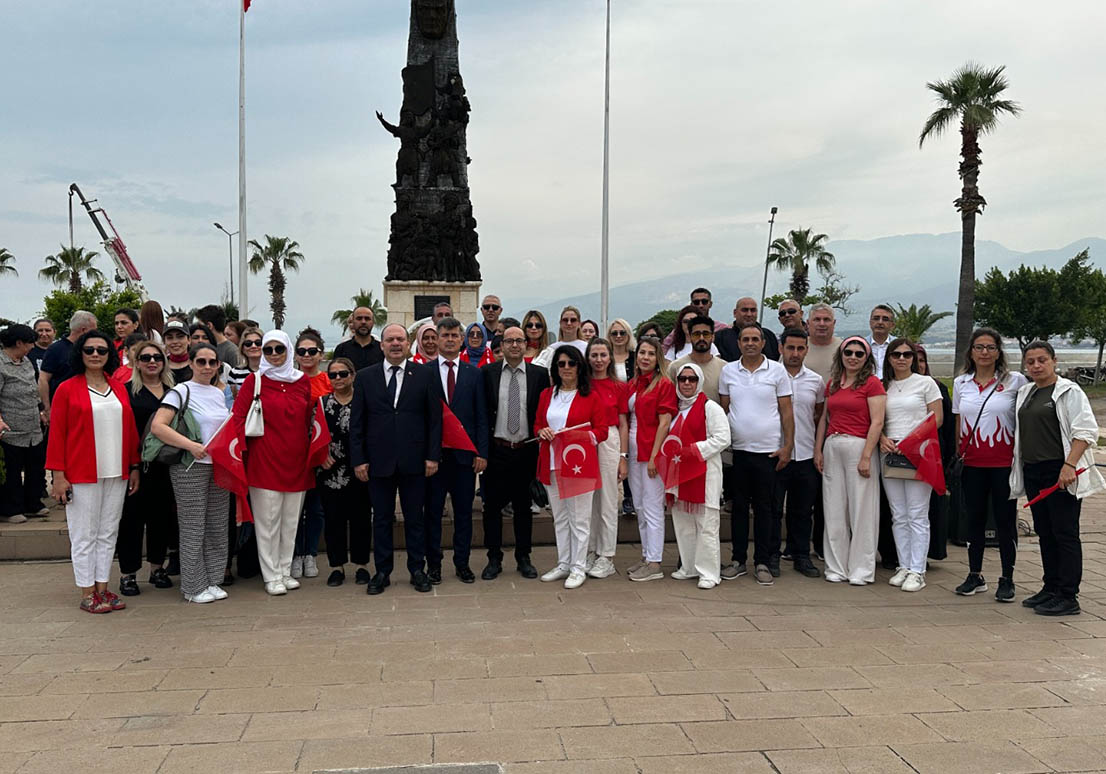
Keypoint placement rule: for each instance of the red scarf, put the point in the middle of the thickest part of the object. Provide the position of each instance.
(691, 429)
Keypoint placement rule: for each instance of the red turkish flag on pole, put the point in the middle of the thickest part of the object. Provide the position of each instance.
(576, 462)
(320, 438)
(245, 5)
(454, 435)
(676, 462)
(921, 447)
(225, 450)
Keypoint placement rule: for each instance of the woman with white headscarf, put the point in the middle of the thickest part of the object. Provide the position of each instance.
(703, 432)
(276, 460)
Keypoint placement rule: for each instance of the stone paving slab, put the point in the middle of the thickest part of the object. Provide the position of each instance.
(612, 678)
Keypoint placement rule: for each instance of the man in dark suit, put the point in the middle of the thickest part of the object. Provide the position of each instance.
(395, 444)
(512, 388)
(460, 386)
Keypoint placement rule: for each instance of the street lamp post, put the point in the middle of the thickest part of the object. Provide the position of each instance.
(764, 285)
(230, 248)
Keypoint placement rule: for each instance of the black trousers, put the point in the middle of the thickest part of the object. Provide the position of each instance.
(458, 481)
(148, 511)
(348, 528)
(26, 477)
(978, 486)
(1056, 522)
(754, 476)
(885, 542)
(796, 485)
(412, 496)
(507, 480)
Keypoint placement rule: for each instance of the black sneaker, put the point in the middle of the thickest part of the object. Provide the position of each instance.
(628, 511)
(1005, 591)
(807, 568)
(1058, 605)
(973, 584)
(161, 579)
(774, 566)
(1039, 598)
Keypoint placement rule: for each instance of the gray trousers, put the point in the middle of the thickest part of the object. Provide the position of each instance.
(202, 509)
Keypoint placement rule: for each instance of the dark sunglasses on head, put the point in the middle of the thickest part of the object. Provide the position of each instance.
(251, 343)
(788, 312)
(566, 364)
(274, 349)
(95, 350)
(908, 355)
(337, 375)
(854, 353)
(204, 362)
(307, 351)
(152, 358)
(687, 379)
(491, 307)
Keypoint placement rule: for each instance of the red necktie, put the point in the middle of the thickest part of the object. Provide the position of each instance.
(450, 382)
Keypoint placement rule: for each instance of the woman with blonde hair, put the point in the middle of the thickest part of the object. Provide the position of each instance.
(536, 331)
(613, 464)
(250, 347)
(623, 344)
(568, 335)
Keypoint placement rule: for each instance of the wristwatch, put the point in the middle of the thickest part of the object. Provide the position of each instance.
(624, 455)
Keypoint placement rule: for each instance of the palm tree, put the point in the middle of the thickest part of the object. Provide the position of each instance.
(796, 254)
(6, 263)
(280, 254)
(972, 96)
(362, 298)
(68, 265)
(912, 322)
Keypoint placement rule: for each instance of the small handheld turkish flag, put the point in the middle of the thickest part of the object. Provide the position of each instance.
(225, 449)
(678, 462)
(576, 461)
(454, 435)
(922, 448)
(320, 438)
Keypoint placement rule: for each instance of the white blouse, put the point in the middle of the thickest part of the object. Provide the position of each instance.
(107, 430)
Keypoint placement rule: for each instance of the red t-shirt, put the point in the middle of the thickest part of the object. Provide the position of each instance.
(320, 385)
(648, 408)
(277, 460)
(848, 408)
(615, 396)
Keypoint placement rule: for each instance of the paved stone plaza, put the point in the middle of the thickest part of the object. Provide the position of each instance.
(612, 678)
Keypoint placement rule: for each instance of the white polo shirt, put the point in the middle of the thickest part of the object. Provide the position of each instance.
(807, 391)
(754, 409)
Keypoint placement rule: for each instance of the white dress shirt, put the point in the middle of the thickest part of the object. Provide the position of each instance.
(807, 391)
(443, 372)
(399, 378)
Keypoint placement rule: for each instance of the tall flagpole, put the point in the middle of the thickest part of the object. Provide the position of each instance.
(604, 292)
(243, 263)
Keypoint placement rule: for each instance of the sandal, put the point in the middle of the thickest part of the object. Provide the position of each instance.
(94, 604)
(113, 601)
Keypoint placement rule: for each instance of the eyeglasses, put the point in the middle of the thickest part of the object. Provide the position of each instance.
(687, 379)
(854, 353)
(907, 355)
(95, 350)
(617, 334)
(566, 364)
(334, 375)
(984, 348)
(700, 301)
(251, 344)
(307, 351)
(514, 341)
(155, 358)
(204, 362)
(491, 307)
(700, 334)
(274, 349)
(788, 312)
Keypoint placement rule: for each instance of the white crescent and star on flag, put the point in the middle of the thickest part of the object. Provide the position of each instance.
(573, 447)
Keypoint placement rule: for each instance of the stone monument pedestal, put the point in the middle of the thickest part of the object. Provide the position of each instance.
(411, 300)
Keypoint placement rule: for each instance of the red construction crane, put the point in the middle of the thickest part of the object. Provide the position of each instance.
(125, 270)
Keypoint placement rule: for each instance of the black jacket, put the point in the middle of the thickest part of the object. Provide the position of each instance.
(537, 379)
(728, 348)
(400, 439)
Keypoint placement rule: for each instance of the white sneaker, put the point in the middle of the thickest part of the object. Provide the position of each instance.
(310, 567)
(290, 583)
(857, 582)
(202, 598)
(899, 576)
(15, 518)
(915, 581)
(275, 588)
(681, 574)
(590, 562)
(603, 568)
(555, 574)
(704, 583)
(575, 580)
(217, 592)
(297, 566)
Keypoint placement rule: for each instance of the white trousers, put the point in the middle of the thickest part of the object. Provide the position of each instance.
(697, 537)
(571, 519)
(604, 503)
(909, 501)
(275, 518)
(649, 504)
(851, 506)
(93, 517)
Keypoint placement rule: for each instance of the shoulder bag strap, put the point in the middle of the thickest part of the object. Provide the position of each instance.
(971, 428)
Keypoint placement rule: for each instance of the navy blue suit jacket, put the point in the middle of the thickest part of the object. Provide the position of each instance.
(468, 405)
(400, 439)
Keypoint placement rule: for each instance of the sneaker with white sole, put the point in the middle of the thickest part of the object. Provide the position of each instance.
(15, 518)
(833, 577)
(202, 598)
(555, 574)
(915, 581)
(590, 562)
(275, 588)
(290, 583)
(706, 584)
(217, 592)
(899, 576)
(973, 584)
(603, 568)
(310, 567)
(575, 580)
(763, 575)
(733, 570)
(297, 567)
(682, 574)
(650, 571)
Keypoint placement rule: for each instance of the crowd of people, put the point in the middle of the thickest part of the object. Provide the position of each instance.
(795, 429)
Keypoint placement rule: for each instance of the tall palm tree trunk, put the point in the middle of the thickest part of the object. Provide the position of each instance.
(75, 281)
(277, 284)
(970, 204)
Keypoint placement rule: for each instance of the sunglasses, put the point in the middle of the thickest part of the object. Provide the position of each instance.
(788, 312)
(908, 355)
(204, 362)
(854, 353)
(700, 301)
(687, 379)
(334, 375)
(95, 350)
(307, 351)
(251, 344)
(700, 334)
(569, 320)
(491, 307)
(537, 325)
(155, 358)
(565, 364)
(617, 334)
(276, 349)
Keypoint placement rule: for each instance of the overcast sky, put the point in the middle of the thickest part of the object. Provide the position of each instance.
(719, 110)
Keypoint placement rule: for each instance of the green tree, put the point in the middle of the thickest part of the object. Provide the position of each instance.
(796, 253)
(362, 298)
(68, 265)
(665, 319)
(913, 321)
(97, 298)
(1092, 326)
(7, 263)
(280, 254)
(833, 291)
(973, 97)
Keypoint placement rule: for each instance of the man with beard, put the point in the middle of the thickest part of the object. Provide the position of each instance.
(700, 332)
(363, 350)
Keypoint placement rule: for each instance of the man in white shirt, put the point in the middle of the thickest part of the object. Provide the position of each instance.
(755, 392)
(881, 322)
(822, 343)
(799, 482)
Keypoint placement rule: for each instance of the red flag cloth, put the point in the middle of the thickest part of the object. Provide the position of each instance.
(453, 432)
(679, 461)
(576, 461)
(921, 447)
(225, 450)
(245, 5)
(320, 438)
(1046, 492)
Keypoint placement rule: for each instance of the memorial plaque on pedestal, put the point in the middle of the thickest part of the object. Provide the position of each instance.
(424, 305)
